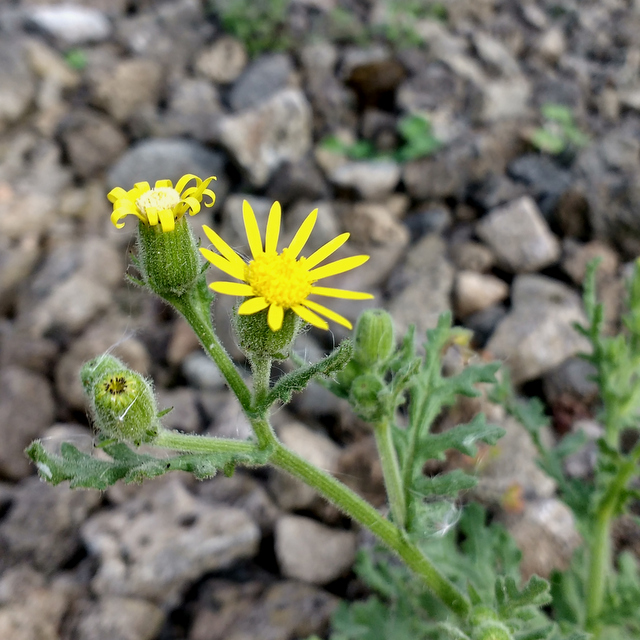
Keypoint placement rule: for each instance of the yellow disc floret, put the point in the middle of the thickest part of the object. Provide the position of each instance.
(280, 279)
(158, 199)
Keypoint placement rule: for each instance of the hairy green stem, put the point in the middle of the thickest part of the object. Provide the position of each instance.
(600, 556)
(362, 512)
(192, 443)
(391, 471)
(198, 315)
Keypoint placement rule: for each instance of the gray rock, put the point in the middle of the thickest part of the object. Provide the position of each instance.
(133, 85)
(201, 372)
(228, 418)
(552, 44)
(483, 323)
(301, 180)
(152, 547)
(184, 416)
(244, 492)
(575, 377)
(371, 223)
(262, 79)
(17, 84)
(41, 527)
(546, 181)
(170, 158)
(472, 256)
(427, 277)
(547, 536)
(73, 285)
(263, 138)
(120, 619)
(371, 179)
(71, 25)
(309, 551)
(223, 61)
(26, 410)
(577, 256)
(476, 291)
(114, 336)
(537, 334)
(92, 142)
(194, 109)
(17, 261)
(18, 348)
(505, 99)
(429, 220)
(29, 608)
(315, 447)
(495, 54)
(519, 236)
(513, 465)
(282, 611)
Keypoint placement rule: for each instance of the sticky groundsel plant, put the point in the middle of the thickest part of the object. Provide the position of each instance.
(462, 583)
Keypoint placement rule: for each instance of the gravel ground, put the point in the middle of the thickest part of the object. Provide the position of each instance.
(495, 223)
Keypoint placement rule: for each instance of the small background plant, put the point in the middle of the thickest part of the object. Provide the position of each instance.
(559, 131)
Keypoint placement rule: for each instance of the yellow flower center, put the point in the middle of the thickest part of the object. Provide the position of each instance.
(279, 279)
(160, 199)
(116, 385)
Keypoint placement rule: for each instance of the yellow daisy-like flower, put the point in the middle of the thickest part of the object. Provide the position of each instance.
(281, 281)
(164, 204)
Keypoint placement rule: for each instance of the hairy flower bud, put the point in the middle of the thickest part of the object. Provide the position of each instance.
(258, 340)
(169, 260)
(367, 397)
(122, 401)
(375, 337)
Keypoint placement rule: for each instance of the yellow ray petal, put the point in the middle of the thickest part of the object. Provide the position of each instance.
(166, 220)
(339, 266)
(152, 215)
(119, 214)
(186, 178)
(251, 226)
(326, 250)
(329, 292)
(163, 183)
(232, 288)
(223, 247)
(231, 268)
(310, 317)
(332, 315)
(142, 187)
(303, 233)
(249, 307)
(193, 205)
(115, 194)
(273, 228)
(274, 317)
(212, 198)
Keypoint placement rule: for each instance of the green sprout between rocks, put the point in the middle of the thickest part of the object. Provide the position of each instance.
(559, 131)
(461, 582)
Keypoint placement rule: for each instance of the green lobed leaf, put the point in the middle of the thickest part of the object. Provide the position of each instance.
(446, 484)
(86, 471)
(298, 380)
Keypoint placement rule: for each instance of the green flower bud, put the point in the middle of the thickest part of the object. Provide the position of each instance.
(258, 340)
(122, 401)
(367, 397)
(169, 260)
(492, 630)
(375, 337)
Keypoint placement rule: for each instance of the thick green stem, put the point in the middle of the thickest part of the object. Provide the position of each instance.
(363, 513)
(192, 443)
(600, 560)
(199, 318)
(391, 472)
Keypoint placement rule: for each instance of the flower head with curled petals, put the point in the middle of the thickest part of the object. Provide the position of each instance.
(282, 281)
(164, 204)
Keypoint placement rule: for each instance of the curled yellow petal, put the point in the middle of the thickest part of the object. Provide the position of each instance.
(115, 194)
(186, 178)
(166, 220)
(163, 183)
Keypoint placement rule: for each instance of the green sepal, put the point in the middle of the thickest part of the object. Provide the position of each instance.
(259, 341)
(369, 397)
(88, 472)
(298, 380)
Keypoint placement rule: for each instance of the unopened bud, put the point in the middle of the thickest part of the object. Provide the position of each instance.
(122, 401)
(367, 397)
(258, 340)
(375, 337)
(169, 260)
